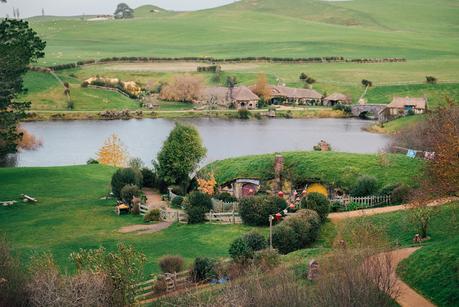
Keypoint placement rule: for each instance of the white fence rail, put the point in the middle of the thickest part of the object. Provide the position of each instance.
(143, 208)
(223, 217)
(221, 206)
(366, 201)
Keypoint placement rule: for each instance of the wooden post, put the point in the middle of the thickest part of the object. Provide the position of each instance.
(234, 218)
(271, 232)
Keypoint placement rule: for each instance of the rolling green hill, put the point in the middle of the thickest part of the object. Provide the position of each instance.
(415, 29)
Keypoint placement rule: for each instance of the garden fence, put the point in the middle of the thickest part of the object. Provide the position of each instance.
(365, 201)
(221, 206)
(143, 208)
(223, 217)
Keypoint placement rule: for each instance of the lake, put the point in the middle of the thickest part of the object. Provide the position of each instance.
(74, 142)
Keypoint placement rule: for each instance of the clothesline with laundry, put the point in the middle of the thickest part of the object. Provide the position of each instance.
(413, 153)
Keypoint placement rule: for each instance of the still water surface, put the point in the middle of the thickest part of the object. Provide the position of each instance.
(74, 142)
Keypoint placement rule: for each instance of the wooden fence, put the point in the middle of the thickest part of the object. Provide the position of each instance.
(143, 209)
(366, 201)
(221, 206)
(173, 216)
(148, 290)
(223, 217)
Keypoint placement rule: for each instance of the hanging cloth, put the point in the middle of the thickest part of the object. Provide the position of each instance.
(411, 153)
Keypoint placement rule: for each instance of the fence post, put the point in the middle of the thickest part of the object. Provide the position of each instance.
(234, 218)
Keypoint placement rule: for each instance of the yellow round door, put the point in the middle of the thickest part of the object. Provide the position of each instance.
(317, 188)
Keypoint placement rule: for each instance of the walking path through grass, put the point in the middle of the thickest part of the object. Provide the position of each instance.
(338, 216)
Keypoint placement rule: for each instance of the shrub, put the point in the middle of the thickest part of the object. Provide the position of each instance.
(306, 225)
(153, 215)
(198, 204)
(255, 241)
(243, 114)
(318, 203)
(186, 88)
(12, 290)
(128, 192)
(285, 239)
(149, 177)
(123, 177)
(203, 269)
(225, 197)
(255, 210)
(365, 186)
(171, 264)
(266, 258)
(177, 202)
(240, 251)
(92, 161)
(400, 194)
(388, 189)
(336, 206)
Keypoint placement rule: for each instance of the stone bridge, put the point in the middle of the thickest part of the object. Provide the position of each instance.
(375, 109)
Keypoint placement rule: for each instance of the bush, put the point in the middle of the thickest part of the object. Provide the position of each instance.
(153, 215)
(365, 186)
(255, 241)
(266, 259)
(196, 215)
(177, 202)
(225, 197)
(197, 205)
(285, 239)
(336, 206)
(128, 192)
(240, 251)
(243, 114)
(13, 289)
(171, 264)
(149, 177)
(306, 225)
(256, 210)
(123, 177)
(203, 269)
(318, 203)
(388, 189)
(92, 161)
(400, 194)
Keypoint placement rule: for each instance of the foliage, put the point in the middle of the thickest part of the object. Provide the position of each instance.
(401, 194)
(203, 269)
(256, 210)
(149, 177)
(285, 240)
(12, 277)
(306, 225)
(225, 197)
(124, 267)
(341, 107)
(171, 264)
(186, 88)
(92, 161)
(266, 259)
(240, 250)
(19, 46)
(153, 215)
(125, 176)
(198, 204)
(307, 80)
(262, 88)
(177, 202)
(420, 217)
(113, 152)
(136, 163)
(128, 192)
(243, 114)
(123, 11)
(431, 80)
(365, 186)
(207, 186)
(318, 203)
(180, 155)
(255, 241)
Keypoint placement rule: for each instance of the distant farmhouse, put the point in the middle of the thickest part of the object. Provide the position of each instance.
(403, 105)
(337, 98)
(283, 94)
(240, 97)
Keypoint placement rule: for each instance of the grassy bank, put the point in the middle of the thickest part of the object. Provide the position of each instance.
(70, 215)
(341, 169)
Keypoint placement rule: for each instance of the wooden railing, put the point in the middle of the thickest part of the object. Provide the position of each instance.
(366, 201)
(143, 208)
(223, 217)
(221, 206)
(173, 216)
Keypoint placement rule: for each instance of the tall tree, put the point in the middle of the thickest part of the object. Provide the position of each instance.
(367, 84)
(307, 80)
(123, 11)
(180, 155)
(262, 88)
(19, 46)
(113, 152)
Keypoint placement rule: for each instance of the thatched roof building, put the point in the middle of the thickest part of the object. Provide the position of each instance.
(337, 98)
(292, 93)
(241, 96)
(400, 105)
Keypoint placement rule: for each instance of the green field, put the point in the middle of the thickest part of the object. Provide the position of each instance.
(341, 169)
(432, 270)
(70, 215)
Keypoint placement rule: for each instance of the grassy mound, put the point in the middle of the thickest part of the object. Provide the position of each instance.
(70, 215)
(341, 169)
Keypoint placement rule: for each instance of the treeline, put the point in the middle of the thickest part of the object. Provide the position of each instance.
(210, 60)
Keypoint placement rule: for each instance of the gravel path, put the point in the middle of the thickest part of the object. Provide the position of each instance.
(145, 229)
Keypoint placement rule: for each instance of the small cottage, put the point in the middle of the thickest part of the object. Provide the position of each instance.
(337, 98)
(403, 105)
(284, 94)
(240, 97)
(243, 187)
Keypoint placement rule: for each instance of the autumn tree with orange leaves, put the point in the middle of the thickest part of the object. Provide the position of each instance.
(262, 88)
(207, 185)
(113, 152)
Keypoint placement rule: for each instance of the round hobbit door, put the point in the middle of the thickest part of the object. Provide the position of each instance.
(249, 189)
(317, 188)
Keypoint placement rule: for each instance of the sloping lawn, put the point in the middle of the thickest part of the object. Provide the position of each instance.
(71, 215)
(337, 168)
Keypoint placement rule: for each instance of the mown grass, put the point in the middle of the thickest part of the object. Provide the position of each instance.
(70, 215)
(341, 169)
(432, 270)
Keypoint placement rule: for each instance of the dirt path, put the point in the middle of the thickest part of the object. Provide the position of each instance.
(145, 229)
(153, 199)
(407, 297)
(338, 216)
